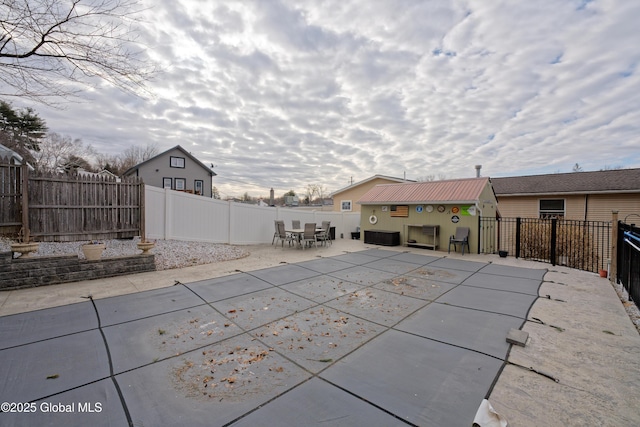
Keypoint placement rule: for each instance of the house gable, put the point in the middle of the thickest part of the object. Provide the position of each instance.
(177, 169)
(344, 200)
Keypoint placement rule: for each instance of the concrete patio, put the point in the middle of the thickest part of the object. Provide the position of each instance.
(351, 334)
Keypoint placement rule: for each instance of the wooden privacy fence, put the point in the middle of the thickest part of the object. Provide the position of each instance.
(11, 181)
(69, 207)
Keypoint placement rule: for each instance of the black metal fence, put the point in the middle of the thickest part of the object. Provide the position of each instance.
(585, 245)
(628, 271)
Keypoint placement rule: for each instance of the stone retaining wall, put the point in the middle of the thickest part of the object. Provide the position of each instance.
(41, 271)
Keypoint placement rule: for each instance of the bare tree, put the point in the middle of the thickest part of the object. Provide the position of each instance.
(45, 41)
(135, 154)
(119, 163)
(109, 162)
(315, 192)
(57, 150)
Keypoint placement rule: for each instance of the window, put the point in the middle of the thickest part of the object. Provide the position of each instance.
(345, 205)
(181, 184)
(198, 185)
(551, 208)
(167, 183)
(176, 162)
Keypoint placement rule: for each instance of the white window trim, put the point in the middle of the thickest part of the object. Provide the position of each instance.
(342, 205)
(550, 214)
(180, 182)
(198, 183)
(176, 162)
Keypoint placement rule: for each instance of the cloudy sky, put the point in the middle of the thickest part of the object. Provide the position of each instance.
(283, 94)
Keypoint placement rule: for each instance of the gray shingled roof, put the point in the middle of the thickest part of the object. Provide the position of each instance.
(609, 181)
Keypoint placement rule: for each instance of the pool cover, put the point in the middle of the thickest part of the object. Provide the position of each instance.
(375, 338)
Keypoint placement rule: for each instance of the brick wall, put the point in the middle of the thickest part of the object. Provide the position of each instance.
(41, 271)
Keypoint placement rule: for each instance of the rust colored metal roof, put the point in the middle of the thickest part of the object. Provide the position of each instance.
(447, 191)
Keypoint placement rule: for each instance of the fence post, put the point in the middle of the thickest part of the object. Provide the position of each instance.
(554, 238)
(141, 194)
(26, 233)
(168, 217)
(613, 267)
(518, 222)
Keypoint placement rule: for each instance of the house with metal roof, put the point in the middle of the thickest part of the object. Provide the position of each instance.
(426, 214)
(344, 200)
(587, 196)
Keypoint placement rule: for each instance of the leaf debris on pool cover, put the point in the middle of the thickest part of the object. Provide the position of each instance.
(224, 372)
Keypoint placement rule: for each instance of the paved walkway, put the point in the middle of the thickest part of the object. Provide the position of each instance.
(585, 341)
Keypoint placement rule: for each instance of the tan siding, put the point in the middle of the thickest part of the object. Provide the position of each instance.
(488, 203)
(354, 194)
(529, 206)
(518, 206)
(574, 207)
(598, 207)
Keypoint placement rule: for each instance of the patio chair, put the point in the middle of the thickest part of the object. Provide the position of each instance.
(325, 234)
(282, 234)
(277, 233)
(461, 237)
(295, 223)
(310, 235)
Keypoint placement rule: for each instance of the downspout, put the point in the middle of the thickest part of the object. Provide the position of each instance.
(586, 206)
(479, 213)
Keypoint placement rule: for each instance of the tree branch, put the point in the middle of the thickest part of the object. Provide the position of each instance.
(43, 41)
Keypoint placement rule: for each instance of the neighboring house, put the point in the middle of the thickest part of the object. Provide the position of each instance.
(10, 155)
(176, 169)
(411, 208)
(344, 200)
(102, 174)
(589, 196)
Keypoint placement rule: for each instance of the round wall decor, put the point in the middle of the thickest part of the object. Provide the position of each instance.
(373, 219)
(455, 209)
(440, 208)
(428, 208)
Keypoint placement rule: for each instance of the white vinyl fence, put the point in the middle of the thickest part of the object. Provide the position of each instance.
(174, 215)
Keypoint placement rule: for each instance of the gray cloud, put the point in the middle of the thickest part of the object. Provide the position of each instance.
(284, 94)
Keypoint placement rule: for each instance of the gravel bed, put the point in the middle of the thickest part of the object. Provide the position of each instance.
(630, 307)
(168, 253)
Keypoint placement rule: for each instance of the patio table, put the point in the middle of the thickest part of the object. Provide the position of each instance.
(299, 232)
